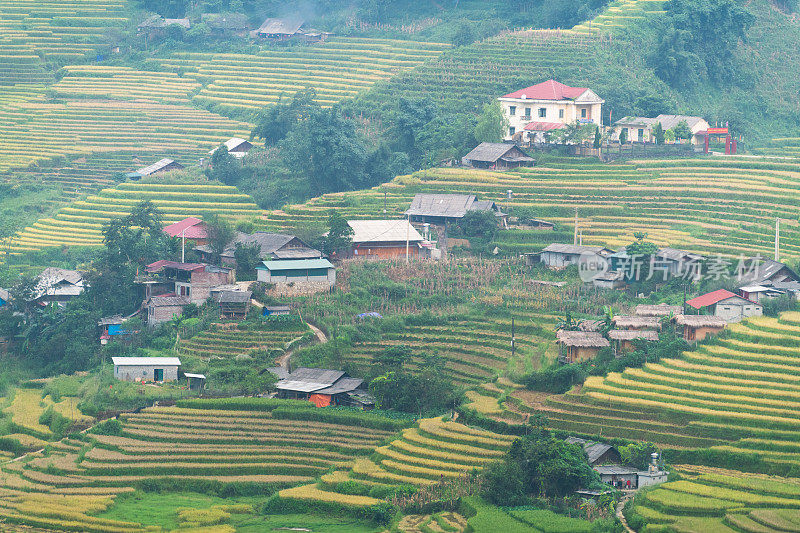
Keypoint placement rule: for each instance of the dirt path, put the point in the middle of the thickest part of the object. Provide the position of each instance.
(620, 505)
(283, 361)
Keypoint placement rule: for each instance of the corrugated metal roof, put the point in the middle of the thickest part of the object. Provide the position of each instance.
(234, 297)
(190, 227)
(156, 167)
(167, 301)
(196, 376)
(288, 26)
(712, 298)
(614, 470)
(677, 255)
(366, 231)
(342, 386)
(548, 90)
(560, 248)
(441, 205)
(300, 264)
(491, 152)
(146, 361)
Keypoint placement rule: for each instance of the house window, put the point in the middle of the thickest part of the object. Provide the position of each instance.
(560, 113)
(512, 130)
(542, 112)
(527, 112)
(512, 110)
(583, 113)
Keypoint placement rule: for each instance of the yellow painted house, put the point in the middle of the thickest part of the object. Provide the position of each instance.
(548, 106)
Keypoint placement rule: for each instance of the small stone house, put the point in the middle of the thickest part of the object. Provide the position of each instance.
(577, 346)
(160, 309)
(698, 327)
(727, 305)
(193, 281)
(146, 368)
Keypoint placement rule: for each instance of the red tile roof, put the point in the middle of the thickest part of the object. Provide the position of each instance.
(544, 126)
(191, 228)
(712, 298)
(548, 90)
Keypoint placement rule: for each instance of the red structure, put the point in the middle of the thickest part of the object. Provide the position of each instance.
(718, 133)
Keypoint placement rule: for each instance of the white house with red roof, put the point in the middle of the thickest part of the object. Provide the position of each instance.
(726, 305)
(549, 106)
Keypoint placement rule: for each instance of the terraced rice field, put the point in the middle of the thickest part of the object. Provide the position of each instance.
(27, 405)
(474, 350)
(694, 204)
(425, 454)
(33, 32)
(37, 129)
(338, 69)
(720, 500)
(619, 14)
(79, 479)
(81, 223)
(735, 396)
(229, 342)
(469, 76)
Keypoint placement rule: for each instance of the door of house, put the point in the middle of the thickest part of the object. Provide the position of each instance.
(158, 374)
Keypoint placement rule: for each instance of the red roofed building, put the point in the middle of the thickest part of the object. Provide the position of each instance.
(191, 228)
(726, 305)
(549, 103)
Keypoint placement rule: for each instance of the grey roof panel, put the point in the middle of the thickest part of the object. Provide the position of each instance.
(441, 205)
(491, 152)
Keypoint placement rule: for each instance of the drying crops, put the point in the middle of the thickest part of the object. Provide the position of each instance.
(337, 69)
(249, 451)
(81, 223)
(222, 341)
(694, 204)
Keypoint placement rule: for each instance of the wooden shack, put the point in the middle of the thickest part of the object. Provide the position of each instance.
(698, 327)
(577, 346)
(622, 339)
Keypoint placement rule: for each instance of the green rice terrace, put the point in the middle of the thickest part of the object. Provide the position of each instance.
(230, 340)
(695, 204)
(81, 223)
(619, 14)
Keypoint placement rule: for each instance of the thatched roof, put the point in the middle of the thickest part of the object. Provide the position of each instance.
(658, 310)
(633, 321)
(581, 339)
(629, 335)
(590, 325)
(698, 321)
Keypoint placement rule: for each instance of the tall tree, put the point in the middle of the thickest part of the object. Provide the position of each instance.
(340, 234)
(492, 124)
(274, 122)
(220, 234)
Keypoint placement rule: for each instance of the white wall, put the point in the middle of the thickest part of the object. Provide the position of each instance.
(146, 372)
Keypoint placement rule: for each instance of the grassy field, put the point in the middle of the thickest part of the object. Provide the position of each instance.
(222, 341)
(694, 204)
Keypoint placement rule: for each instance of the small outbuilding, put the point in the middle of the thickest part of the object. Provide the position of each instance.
(237, 147)
(297, 271)
(110, 326)
(160, 309)
(636, 322)
(222, 24)
(195, 381)
(577, 346)
(598, 453)
(234, 304)
(559, 255)
(324, 387)
(659, 310)
(497, 156)
(698, 327)
(159, 167)
(5, 297)
(276, 310)
(622, 339)
(146, 368)
(727, 305)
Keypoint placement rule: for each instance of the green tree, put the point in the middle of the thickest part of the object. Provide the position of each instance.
(340, 235)
(479, 225)
(597, 138)
(224, 167)
(327, 150)
(136, 239)
(410, 117)
(464, 34)
(273, 123)
(247, 257)
(394, 357)
(638, 455)
(220, 234)
(426, 392)
(658, 133)
(492, 124)
(623, 136)
(682, 130)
